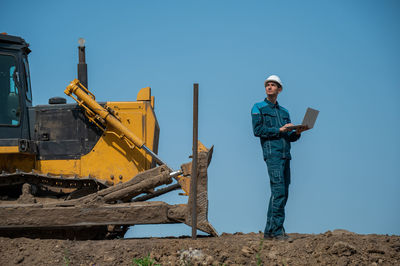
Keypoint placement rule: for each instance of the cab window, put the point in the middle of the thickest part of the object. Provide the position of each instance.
(28, 80)
(10, 110)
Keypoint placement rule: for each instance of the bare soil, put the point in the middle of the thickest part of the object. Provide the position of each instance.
(338, 247)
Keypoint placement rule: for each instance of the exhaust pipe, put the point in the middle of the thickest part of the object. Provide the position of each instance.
(82, 66)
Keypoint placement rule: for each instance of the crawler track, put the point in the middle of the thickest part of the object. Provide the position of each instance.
(57, 181)
(52, 188)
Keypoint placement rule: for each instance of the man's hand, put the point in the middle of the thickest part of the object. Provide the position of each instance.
(301, 129)
(284, 128)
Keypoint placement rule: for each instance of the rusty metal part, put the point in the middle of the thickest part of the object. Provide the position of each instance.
(204, 158)
(186, 169)
(27, 194)
(184, 179)
(50, 215)
(135, 190)
(141, 183)
(158, 192)
(184, 182)
(193, 184)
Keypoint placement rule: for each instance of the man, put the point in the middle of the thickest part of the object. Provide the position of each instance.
(270, 124)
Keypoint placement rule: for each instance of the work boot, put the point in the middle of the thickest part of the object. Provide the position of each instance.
(268, 237)
(283, 237)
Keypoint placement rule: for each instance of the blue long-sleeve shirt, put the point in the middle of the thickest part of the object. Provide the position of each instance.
(267, 118)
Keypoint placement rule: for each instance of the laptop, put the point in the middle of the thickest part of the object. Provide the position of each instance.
(309, 119)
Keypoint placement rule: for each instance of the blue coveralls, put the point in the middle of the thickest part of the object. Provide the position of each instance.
(267, 118)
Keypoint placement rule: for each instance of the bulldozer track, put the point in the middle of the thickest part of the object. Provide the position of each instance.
(84, 232)
(58, 181)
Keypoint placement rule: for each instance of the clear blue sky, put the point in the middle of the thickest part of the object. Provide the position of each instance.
(341, 57)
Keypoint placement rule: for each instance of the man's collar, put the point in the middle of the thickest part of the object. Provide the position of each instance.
(276, 105)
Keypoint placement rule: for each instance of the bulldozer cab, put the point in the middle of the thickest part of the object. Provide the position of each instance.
(15, 91)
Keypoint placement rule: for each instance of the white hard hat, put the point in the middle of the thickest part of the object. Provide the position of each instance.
(273, 78)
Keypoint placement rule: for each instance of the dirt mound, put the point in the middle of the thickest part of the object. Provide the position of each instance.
(338, 247)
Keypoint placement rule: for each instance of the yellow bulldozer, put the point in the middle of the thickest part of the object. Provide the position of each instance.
(88, 169)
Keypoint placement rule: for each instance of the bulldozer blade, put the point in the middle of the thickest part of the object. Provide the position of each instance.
(204, 159)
